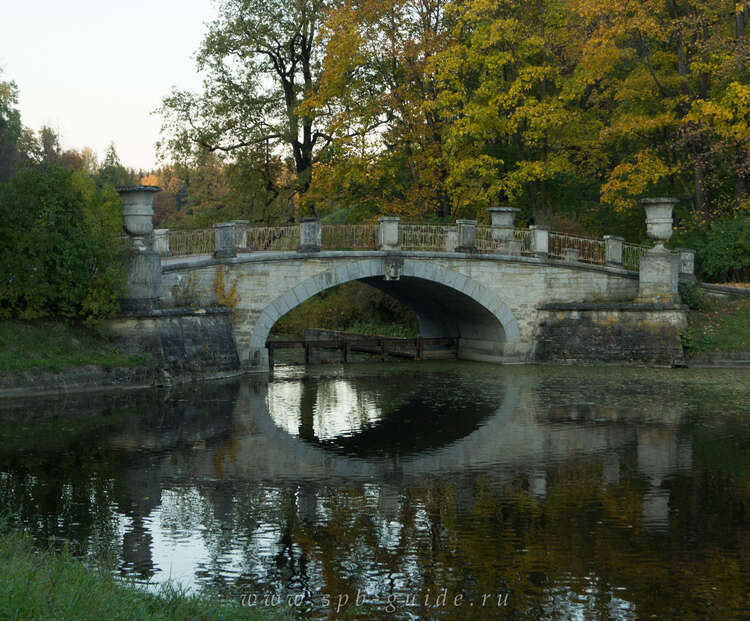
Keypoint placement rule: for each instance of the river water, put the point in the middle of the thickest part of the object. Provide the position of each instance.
(408, 490)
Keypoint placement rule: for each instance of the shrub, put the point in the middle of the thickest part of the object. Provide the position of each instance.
(722, 252)
(693, 297)
(56, 246)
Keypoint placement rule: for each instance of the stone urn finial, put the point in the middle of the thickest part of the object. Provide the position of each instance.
(137, 209)
(659, 218)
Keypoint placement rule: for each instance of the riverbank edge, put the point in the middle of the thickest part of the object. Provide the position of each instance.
(43, 584)
(724, 360)
(88, 378)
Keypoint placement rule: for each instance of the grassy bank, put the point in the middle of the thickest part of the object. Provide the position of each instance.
(55, 346)
(718, 326)
(43, 585)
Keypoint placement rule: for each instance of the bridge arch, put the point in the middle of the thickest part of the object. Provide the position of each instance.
(447, 304)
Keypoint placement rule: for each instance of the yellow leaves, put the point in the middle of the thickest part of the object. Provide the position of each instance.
(533, 171)
(729, 117)
(635, 178)
(637, 126)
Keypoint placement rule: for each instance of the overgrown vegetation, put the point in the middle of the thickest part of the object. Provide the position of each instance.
(44, 585)
(56, 346)
(56, 246)
(226, 293)
(568, 109)
(718, 326)
(354, 307)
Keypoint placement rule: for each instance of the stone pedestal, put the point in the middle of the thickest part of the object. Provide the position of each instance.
(143, 264)
(225, 243)
(161, 242)
(660, 269)
(240, 233)
(389, 233)
(503, 222)
(539, 240)
(613, 250)
(467, 235)
(310, 236)
(687, 264)
(144, 281)
(659, 276)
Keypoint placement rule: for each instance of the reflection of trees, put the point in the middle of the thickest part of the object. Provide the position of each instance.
(86, 469)
(581, 550)
(569, 537)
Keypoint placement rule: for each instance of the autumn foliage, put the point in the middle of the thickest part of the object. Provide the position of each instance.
(437, 109)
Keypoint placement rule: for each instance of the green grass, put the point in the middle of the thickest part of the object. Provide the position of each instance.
(374, 327)
(43, 585)
(718, 326)
(353, 307)
(56, 346)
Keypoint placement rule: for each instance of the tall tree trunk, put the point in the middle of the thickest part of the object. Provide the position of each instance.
(701, 195)
(741, 18)
(740, 175)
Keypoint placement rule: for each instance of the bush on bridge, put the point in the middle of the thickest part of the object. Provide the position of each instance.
(56, 246)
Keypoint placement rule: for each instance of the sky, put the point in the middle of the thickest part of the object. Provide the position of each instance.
(95, 70)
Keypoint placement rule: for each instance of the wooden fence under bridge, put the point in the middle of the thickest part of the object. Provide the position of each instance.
(418, 349)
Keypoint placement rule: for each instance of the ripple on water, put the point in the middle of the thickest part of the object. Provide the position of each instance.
(596, 493)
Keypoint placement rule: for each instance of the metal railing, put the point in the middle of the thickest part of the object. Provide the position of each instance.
(422, 237)
(576, 248)
(412, 237)
(350, 237)
(631, 256)
(491, 240)
(273, 238)
(192, 242)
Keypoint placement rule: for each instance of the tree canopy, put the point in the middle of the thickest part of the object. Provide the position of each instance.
(437, 109)
(260, 58)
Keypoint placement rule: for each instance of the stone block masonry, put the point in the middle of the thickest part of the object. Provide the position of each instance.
(490, 303)
(640, 334)
(185, 342)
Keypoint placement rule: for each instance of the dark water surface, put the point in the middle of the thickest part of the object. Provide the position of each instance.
(449, 490)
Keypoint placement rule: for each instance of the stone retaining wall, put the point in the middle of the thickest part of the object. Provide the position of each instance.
(640, 334)
(87, 378)
(182, 341)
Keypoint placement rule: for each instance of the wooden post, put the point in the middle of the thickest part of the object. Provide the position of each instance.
(347, 350)
(420, 348)
(270, 355)
(307, 352)
(382, 350)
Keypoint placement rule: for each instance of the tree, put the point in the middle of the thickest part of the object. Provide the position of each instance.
(11, 130)
(261, 59)
(56, 233)
(514, 132)
(387, 154)
(663, 74)
(113, 172)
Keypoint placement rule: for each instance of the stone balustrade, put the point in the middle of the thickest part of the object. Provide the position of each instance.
(659, 268)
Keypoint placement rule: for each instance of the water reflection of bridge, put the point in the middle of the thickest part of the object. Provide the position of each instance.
(269, 441)
(260, 442)
(216, 450)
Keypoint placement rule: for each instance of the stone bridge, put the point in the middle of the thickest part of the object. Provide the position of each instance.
(490, 288)
(489, 302)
